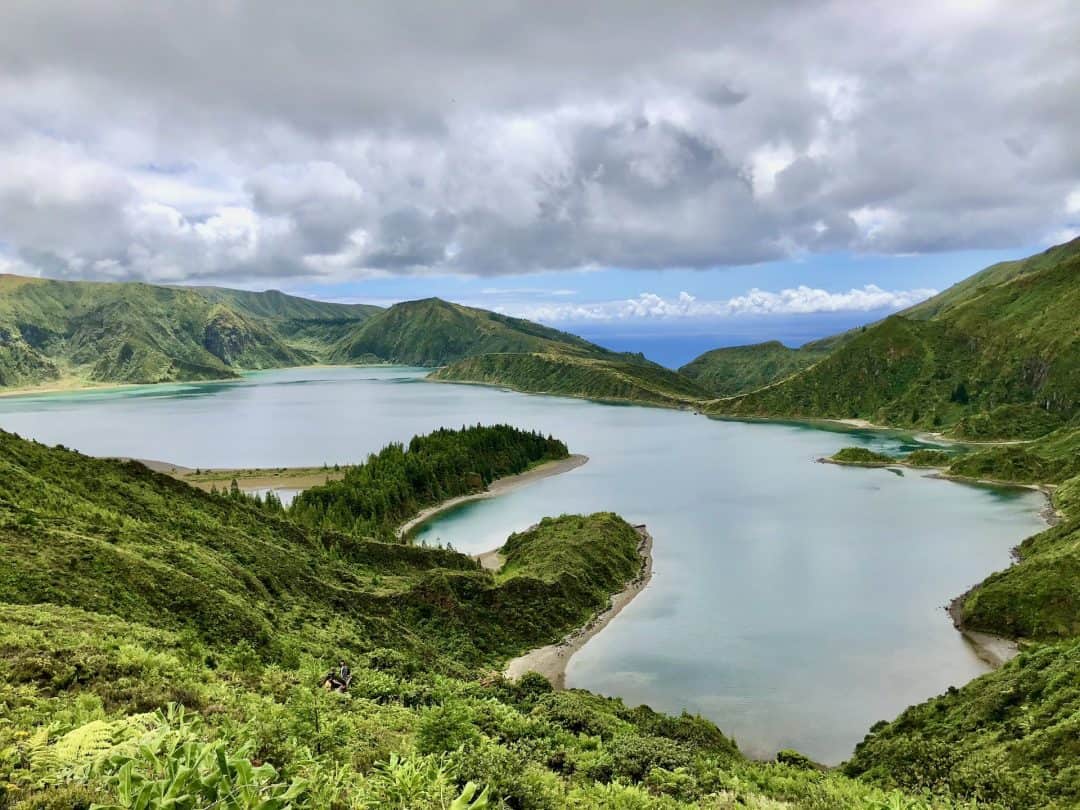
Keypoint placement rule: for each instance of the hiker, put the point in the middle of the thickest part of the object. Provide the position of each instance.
(338, 681)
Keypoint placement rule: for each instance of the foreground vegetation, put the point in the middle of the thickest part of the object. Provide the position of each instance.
(160, 647)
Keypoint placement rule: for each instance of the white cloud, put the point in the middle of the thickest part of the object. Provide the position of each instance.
(493, 141)
(767, 162)
(14, 267)
(794, 301)
(1072, 202)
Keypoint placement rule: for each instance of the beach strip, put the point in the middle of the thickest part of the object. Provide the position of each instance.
(551, 661)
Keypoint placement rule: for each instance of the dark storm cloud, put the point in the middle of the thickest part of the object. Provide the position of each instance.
(250, 140)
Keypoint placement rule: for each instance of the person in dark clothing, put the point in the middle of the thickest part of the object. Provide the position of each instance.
(338, 681)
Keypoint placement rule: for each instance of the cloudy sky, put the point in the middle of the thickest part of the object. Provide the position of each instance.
(609, 163)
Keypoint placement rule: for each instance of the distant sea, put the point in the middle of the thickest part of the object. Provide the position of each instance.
(667, 350)
(672, 344)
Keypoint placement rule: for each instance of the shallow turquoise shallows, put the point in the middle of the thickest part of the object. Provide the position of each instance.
(793, 603)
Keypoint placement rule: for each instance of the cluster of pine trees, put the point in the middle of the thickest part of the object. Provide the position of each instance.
(392, 485)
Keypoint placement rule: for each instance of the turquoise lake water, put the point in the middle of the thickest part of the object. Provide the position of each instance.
(793, 603)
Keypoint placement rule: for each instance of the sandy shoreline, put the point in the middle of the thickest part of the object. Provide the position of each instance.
(498, 487)
(551, 661)
(991, 649)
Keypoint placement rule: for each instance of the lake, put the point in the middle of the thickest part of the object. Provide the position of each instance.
(793, 603)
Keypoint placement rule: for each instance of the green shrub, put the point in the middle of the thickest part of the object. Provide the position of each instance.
(445, 727)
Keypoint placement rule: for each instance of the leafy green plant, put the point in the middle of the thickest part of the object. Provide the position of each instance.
(171, 768)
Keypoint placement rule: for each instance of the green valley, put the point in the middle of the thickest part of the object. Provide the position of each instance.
(159, 641)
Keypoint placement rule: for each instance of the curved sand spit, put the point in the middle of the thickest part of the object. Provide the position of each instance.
(551, 661)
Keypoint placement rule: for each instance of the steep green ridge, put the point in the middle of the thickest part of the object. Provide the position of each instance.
(125, 593)
(80, 332)
(615, 379)
(998, 356)
(373, 498)
(316, 326)
(740, 369)
(992, 276)
(433, 332)
(278, 306)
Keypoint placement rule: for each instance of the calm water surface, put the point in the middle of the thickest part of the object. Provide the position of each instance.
(794, 603)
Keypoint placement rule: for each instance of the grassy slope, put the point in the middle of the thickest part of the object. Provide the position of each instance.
(740, 369)
(109, 537)
(1005, 339)
(433, 332)
(616, 379)
(314, 326)
(124, 590)
(129, 332)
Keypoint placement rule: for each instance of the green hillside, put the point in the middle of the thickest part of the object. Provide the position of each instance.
(739, 369)
(312, 325)
(997, 356)
(160, 647)
(1011, 737)
(993, 276)
(99, 332)
(992, 357)
(617, 378)
(277, 306)
(433, 332)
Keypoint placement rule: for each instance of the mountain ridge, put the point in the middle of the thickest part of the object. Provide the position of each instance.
(1004, 338)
